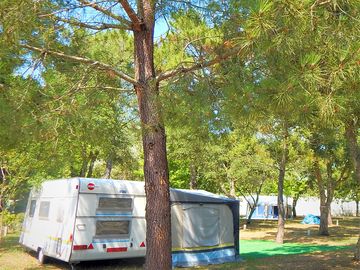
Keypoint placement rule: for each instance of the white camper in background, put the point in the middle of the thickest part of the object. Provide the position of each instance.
(81, 219)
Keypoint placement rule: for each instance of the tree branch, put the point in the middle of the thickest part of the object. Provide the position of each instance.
(136, 21)
(106, 12)
(84, 60)
(181, 70)
(101, 26)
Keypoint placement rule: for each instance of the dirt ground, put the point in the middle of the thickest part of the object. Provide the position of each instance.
(13, 256)
(345, 233)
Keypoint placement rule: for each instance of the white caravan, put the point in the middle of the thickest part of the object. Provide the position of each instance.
(81, 219)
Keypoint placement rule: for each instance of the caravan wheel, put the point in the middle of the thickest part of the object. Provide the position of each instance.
(41, 256)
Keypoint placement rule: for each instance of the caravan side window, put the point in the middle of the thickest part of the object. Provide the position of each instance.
(115, 204)
(32, 208)
(44, 209)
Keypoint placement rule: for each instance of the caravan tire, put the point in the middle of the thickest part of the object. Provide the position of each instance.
(41, 256)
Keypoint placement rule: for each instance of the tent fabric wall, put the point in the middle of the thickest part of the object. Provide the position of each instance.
(205, 228)
(201, 227)
(268, 211)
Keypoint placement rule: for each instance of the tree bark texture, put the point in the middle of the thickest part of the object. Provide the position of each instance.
(93, 157)
(253, 207)
(330, 221)
(295, 200)
(108, 167)
(84, 165)
(232, 187)
(158, 225)
(252, 210)
(325, 199)
(280, 200)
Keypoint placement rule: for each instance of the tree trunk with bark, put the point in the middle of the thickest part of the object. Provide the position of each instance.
(357, 208)
(326, 196)
(158, 225)
(232, 187)
(252, 207)
(324, 214)
(93, 157)
(84, 164)
(280, 200)
(108, 167)
(330, 221)
(295, 200)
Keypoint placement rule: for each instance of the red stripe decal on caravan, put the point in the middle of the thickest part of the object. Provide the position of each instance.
(117, 249)
(80, 247)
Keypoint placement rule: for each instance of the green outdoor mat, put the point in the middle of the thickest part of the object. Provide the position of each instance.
(260, 248)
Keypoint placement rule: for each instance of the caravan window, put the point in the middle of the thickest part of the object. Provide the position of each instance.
(44, 209)
(32, 208)
(118, 228)
(115, 204)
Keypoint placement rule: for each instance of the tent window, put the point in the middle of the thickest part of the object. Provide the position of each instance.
(201, 227)
(115, 204)
(32, 208)
(112, 229)
(44, 209)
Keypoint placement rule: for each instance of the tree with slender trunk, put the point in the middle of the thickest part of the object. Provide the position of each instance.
(139, 20)
(280, 199)
(330, 169)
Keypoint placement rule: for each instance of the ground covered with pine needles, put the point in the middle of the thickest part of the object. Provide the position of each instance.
(302, 249)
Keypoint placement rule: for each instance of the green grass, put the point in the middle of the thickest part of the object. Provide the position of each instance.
(260, 248)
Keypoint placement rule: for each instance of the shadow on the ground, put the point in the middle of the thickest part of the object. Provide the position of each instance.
(130, 264)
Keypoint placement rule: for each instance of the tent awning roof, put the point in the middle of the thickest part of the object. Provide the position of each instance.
(199, 196)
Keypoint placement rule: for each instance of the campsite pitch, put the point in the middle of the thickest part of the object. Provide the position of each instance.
(258, 251)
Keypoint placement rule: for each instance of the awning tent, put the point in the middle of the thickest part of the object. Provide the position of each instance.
(268, 210)
(205, 228)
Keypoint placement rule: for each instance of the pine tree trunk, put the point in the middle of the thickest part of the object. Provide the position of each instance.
(93, 157)
(158, 226)
(232, 188)
(108, 167)
(295, 199)
(324, 215)
(252, 210)
(281, 217)
(330, 222)
(357, 208)
(84, 164)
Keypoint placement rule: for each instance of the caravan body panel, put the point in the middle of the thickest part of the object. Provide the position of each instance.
(110, 218)
(49, 218)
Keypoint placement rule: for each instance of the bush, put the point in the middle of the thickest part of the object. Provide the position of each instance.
(12, 221)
